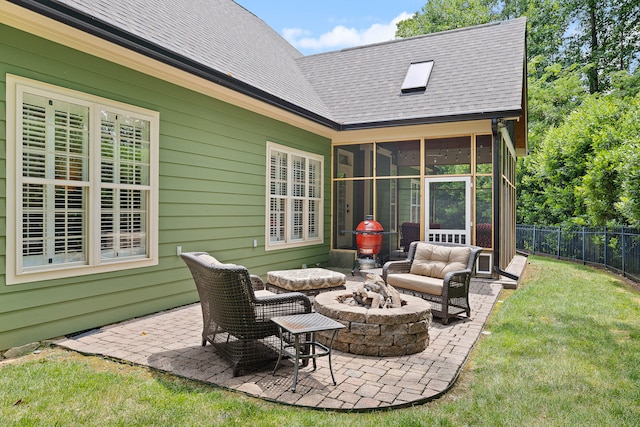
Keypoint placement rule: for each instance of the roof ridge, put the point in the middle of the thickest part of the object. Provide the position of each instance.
(472, 71)
(422, 36)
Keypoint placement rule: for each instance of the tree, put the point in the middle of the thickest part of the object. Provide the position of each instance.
(583, 58)
(441, 15)
(587, 166)
(605, 38)
(552, 97)
(547, 22)
(628, 204)
(554, 92)
(599, 36)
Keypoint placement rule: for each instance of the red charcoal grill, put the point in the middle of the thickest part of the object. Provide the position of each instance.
(369, 235)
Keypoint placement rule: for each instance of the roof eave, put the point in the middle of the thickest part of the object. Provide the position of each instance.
(80, 21)
(433, 120)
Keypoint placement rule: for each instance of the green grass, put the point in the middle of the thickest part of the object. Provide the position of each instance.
(564, 350)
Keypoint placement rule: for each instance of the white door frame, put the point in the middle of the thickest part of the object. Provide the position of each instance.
(462, 236)
(393, 190)
(344, 212)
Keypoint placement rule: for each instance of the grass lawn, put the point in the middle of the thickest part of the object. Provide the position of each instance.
(564, 350)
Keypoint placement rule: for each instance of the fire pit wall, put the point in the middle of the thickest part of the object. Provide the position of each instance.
(376, 331)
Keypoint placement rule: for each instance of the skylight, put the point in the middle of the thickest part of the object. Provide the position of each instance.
(417, 77)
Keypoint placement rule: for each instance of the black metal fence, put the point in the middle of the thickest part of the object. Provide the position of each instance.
(615, 248)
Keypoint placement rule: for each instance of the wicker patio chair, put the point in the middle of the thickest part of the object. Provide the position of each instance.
(410, 233)
(235, 321)
(448, 294)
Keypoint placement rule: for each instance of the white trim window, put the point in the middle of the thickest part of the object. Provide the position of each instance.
(414, 215)
(294, 200)
(85, 189)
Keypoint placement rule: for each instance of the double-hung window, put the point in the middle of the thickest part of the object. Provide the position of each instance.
(295, 204)
(82, 183)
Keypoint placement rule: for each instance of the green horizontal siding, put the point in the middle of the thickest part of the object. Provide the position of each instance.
(212, 194)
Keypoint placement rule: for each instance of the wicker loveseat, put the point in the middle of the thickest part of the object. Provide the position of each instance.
(236, 321)
(437, 272)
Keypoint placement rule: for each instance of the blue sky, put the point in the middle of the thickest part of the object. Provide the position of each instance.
(320, 26)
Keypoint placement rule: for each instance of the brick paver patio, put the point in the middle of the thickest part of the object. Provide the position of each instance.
(170, 341)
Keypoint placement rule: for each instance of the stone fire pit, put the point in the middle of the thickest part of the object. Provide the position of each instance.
(376, 331)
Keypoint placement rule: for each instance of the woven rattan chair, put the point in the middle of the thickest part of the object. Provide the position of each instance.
(235, 321)
(453, 296)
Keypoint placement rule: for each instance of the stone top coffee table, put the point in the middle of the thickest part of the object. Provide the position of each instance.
(309, 281)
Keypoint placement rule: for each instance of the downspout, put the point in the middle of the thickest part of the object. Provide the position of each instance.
(497, 198)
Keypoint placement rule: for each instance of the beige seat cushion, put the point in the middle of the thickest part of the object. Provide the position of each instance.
(263, 293)
(415, 282)
(436, 261)
(213, 261)
(208, 259)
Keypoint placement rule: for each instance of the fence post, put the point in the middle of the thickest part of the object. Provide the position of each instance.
(583, 247)
(533, 243)
(559, 235)
(606, 240)
(623, 254)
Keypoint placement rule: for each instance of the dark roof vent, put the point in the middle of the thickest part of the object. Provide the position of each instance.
(417, 77)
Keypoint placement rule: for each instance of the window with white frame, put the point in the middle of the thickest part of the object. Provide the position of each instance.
(294, 205)
(85, 189)
(414, 215)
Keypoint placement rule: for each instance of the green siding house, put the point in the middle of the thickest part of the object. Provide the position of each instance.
(133, 130)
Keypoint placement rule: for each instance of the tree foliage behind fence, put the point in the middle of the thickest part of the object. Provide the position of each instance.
(614, 248)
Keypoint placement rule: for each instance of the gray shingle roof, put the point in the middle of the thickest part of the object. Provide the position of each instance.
(219, 34)
(476, 70)
(479, 70)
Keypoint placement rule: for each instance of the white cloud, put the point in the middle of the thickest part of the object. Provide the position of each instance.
(341, 37)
